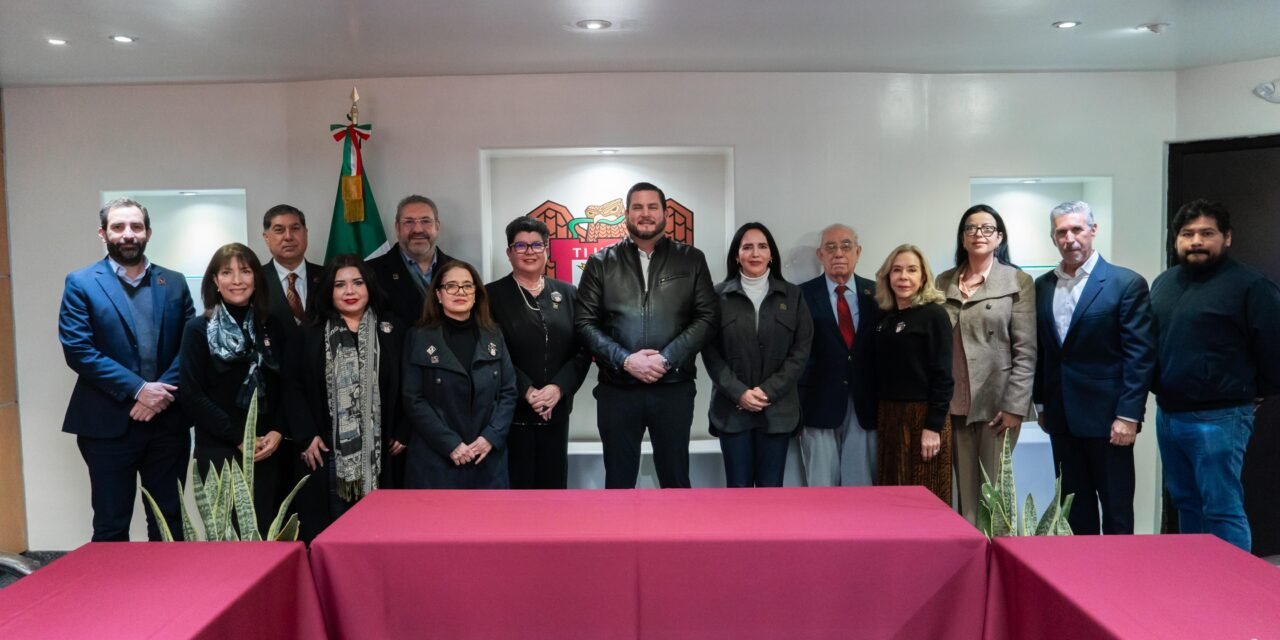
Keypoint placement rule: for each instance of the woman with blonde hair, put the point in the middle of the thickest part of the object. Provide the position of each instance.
(913, 367)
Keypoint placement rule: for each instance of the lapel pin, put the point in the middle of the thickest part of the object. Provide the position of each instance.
(782, 307)
(435, 359)
(900, 327)
(555, 299)
(395, 276)
(385, 327)
(431, 350)
(493, 349)
(160, 280)
(266, 341)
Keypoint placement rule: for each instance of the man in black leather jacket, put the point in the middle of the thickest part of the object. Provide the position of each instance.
(645, 308)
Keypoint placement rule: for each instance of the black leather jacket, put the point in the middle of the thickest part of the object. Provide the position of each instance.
(618, 314)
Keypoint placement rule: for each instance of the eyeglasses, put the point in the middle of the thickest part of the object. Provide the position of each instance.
(987, 230)
(453, 288)
(527, 247)
(843, 247)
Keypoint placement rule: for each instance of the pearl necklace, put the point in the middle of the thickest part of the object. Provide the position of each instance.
(532, 291)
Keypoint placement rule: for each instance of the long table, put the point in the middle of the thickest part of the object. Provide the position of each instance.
(1168, 587)
(167, 590)
(757, 563)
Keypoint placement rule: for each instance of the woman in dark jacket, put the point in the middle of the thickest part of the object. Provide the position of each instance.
(756, 360)
(348, 393)
(230, 352)
(913, 372)
(536, 317)
(459, 388)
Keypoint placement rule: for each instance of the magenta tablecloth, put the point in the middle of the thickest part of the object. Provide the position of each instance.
(167, 590)
(1168, 587)
(757, 563)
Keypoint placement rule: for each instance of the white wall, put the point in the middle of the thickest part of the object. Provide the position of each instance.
(890, 153)
(1218, 102)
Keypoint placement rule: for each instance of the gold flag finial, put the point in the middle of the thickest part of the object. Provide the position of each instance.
(354, 114)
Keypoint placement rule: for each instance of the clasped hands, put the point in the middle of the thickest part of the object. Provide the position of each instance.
(263, 446)
(646, 365)
(753, 400)
(474, 452)
(153, 398)
(543, 400)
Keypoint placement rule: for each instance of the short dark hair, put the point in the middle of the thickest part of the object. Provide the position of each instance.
(433, 311)
(526, 224)
(322, 308)
(1197, 208)
(1001, 252)
(646, 186)
(282, 210)
(417, 199)
(733, 269)
(121, 203)
(222, 257)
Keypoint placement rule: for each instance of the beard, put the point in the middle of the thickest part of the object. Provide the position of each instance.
(1200, 267)
(127, 254)
(658, 230)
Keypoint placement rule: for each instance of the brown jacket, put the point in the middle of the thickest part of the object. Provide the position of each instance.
(998, 332)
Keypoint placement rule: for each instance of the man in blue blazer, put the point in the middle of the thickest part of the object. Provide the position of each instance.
(837, 439)
(120, 326)
(1093, 371)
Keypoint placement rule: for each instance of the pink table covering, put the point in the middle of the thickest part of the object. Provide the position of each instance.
(167, 590)
(879, 562)
(1168, 587)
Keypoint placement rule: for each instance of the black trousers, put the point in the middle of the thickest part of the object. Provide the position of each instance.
(157, 455)
(1098, 473)
(754, 458)
(623, 414)
(538, 455)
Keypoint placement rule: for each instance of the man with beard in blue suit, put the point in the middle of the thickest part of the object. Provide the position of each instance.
(1097, 355)
(121, 326)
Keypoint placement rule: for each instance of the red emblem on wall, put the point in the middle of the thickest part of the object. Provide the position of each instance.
(575, 238)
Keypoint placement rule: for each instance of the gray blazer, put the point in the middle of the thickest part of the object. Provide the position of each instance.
(998, 333)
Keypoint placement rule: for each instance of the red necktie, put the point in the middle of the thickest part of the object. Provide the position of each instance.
(845, 316)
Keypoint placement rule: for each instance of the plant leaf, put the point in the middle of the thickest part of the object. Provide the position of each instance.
(1049, 523)
(246, 514)
(1028, 516)
(188, 530)
(1008, 492)
(1064, 527)
(289, 533)
(1001, 522)
(202, 490)
(250, 435)
(165, 534)
(273, 533)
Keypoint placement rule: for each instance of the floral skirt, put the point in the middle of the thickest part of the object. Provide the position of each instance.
(898, 460)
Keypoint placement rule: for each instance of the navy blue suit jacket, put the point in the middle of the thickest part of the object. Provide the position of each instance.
(836, 372)
(1103, 367)
(99, 341)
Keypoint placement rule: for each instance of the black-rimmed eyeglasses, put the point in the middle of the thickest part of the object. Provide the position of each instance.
(987, 230)
(453, 288)
(528, 247)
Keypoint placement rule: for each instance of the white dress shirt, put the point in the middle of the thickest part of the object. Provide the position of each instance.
(1066, 294)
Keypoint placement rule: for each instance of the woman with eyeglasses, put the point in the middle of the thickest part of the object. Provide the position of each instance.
(756, 359)
(230, 353)
(346, 399)
(535, 314)
(459, 388)
(992, 308)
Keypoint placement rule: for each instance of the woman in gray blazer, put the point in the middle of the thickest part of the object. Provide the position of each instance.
(755, 361)
(993, 313)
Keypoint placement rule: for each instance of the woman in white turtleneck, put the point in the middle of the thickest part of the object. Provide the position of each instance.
(756, 360)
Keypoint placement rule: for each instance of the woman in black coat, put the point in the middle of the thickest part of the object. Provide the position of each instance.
(230, 352)
(755, 361)
(347, 392)
(459, 388)
(536, 317)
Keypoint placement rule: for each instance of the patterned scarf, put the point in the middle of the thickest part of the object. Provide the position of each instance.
(355, 404)
(235, 343)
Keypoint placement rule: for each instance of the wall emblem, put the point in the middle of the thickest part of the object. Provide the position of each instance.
(574, 239)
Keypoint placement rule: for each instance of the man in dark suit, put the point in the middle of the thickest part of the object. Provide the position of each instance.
(121, 327)
(837, 390)
(1093, 371)
(291, 279)
(405, 272)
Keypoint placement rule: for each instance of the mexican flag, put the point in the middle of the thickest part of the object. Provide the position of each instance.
(356, 226)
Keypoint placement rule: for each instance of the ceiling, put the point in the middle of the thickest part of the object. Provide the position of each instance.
(272, 40)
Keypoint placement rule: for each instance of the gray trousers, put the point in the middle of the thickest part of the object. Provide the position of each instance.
(840, 457)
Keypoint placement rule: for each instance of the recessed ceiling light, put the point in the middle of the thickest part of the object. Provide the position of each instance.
(123, 39)
(1030, 181)
(607, 152)
(188, 193)
(1153, 27)
(1067, 24)
(593, 25)
(57, 42)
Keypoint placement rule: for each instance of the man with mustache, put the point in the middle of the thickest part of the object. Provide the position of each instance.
(405, 272)
(121, 328)
(1218, 358)
(291, 278)
(645, 308)
(1093, 371)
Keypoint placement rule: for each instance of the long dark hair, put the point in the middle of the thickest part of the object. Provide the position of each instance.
(733, 269)
(322, 308)
(222, 257)
(1002, 251)
(433, 311)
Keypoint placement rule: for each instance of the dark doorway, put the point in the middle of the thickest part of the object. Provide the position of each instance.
(1244, 175)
